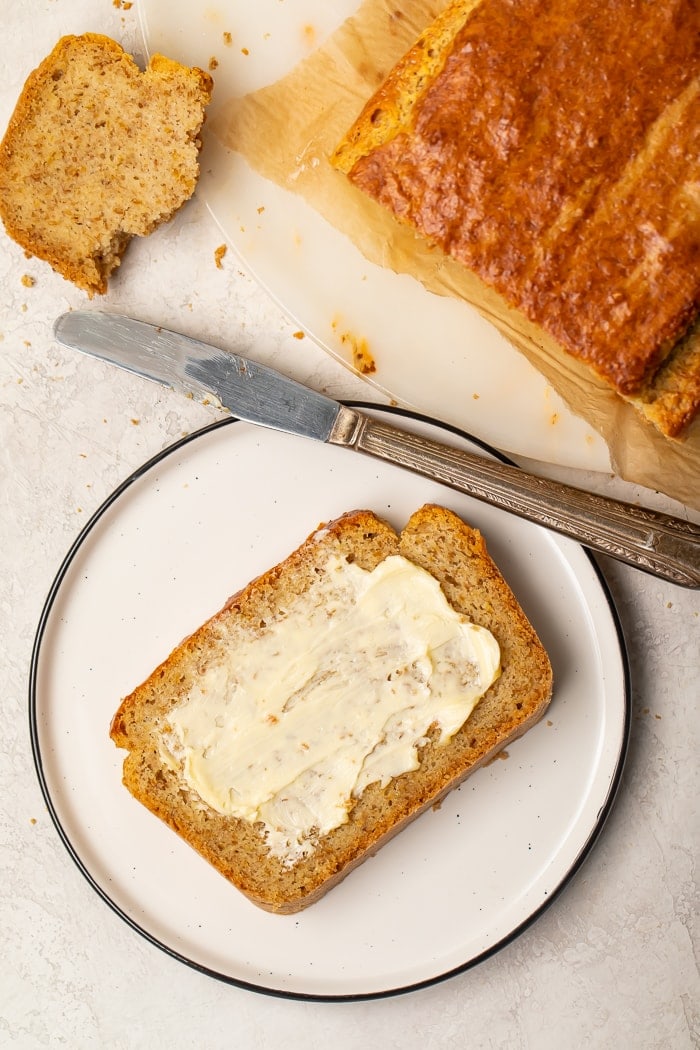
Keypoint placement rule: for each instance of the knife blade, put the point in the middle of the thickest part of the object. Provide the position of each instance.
(657, 543)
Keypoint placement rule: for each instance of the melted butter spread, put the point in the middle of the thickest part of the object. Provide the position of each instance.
(338, 693)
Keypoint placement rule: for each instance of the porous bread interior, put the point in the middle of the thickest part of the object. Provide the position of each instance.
(671, 397)
(456, 555)
(97, 152)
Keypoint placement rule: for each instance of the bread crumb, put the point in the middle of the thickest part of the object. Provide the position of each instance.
(218, 256)
(361, 356)
(363, 360)
(298, 335)
(228, 38)
(135, 422)
(28, 281)
(32, 820)
(495, 758)
(213, 63)
(476, 396)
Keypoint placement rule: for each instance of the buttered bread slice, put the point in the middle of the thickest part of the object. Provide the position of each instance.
(332, 701)
(98, 152)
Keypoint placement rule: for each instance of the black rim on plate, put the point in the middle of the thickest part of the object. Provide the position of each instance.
(239, 982)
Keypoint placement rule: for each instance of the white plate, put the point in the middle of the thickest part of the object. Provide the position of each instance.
(161, 555)
(433, 354)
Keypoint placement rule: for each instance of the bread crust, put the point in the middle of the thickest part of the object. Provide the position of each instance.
(97, 152)
(455, 554)
(554, 150)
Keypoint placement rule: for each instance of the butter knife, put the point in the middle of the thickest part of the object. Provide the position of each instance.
(657, 543)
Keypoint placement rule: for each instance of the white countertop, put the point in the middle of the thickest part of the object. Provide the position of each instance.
(613, 963)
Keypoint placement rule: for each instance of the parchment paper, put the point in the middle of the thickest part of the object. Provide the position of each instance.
(288, 130)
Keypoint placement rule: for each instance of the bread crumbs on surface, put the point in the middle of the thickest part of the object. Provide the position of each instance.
(298, 335)
(213, 63)
(228, 38)
(502, 755)
(28, 281)
(245, 51)
(361, 356)
(32, 820)
(135, 422)
(219, 255)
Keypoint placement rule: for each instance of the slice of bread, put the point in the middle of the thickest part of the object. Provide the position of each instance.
(97, 152)
(455, 555)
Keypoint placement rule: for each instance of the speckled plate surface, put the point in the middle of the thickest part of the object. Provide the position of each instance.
(162, 554)
(434, 354)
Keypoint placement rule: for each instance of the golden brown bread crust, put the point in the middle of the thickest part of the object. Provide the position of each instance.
(97, 152)
(555, 151)
(456, 555)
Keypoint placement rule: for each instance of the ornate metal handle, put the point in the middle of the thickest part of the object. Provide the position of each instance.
(658, 543)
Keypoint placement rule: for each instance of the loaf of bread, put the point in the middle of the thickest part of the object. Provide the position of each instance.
(554, 150)
(97, 152)
(263, 739)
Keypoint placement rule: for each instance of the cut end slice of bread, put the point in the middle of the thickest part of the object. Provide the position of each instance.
(97, 152)
(455, 555)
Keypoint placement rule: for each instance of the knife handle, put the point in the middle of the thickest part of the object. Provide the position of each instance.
(665, 546)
